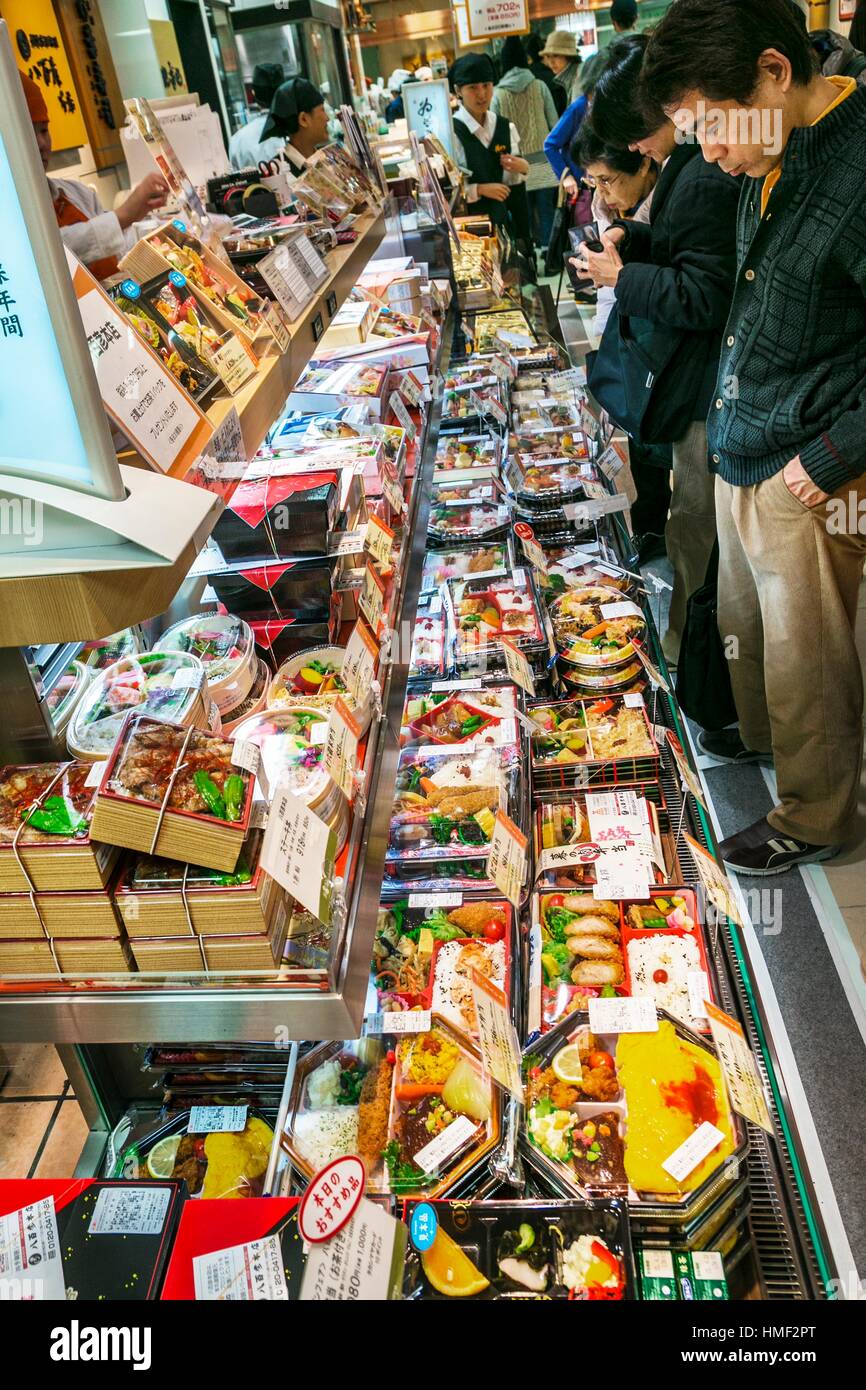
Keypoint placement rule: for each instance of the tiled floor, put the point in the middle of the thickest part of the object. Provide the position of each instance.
(42, 1129)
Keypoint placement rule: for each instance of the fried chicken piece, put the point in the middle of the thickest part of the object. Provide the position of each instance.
(373, 1109)
(593, 926)
(585, 902)
(472, 918)
(594, 947)
(547, 1083)
(599, 1084)
(598, 972)
(460, 802)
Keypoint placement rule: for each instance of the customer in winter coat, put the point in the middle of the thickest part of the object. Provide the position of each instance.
(528, 104)
(677, 272)
(559, 146)
(562, 57)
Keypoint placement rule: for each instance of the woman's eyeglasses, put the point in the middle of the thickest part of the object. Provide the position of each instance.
(603, 182)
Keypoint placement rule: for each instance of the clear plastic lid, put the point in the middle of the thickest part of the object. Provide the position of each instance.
(101, 654)
(222, 643)
(291, 741)
(67, 693)
(165, 685)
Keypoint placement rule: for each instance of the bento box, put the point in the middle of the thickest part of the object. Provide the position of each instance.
(177, 352)
(538, 486)
(284, 588)
(174, 792)
(594, 629)
(106, 650)
(76, 955)
(224, 646)
(45, 839)
(466, 454)
(169, 686)
(601, 742)
(213, 1165)
(313, 680)
(162, 897)
(466, 717)
(563, 839)
(573, 1251)
(478, 522)
(417, 1110)
(292, 746)
(66, 913)
(492, 561)
(569, 568)
(444, 814)
(427, 659)
(237, 953)
(549, 443)
(464, 492)
(281, 516)
(424, 955)
(604, 1114)
(484, 610)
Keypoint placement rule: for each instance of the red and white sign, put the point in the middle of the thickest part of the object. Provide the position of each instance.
(332, 1199)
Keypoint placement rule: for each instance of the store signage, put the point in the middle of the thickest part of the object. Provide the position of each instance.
(379, 540)
(506, 863)
(249, 1273)
(299, 851)
(610, 461)
(147, 127)
(497, 1036)
(519, 669)
(341, 747)
(360, 661)
(715, 880)
(332, 1199)
(410, 388)
(363, 1263)
(294, 270)
(40, 52)
(739, 1066)
(531, 549)
(398, 406)
(489, 19)
(275, 319)
(143, 399)
(690, 778)
(408, 1021)
(393, 494)
(93, 69)
(168, 56)
(619, 825)
(427, 106)
(234, 364)
(372, 600)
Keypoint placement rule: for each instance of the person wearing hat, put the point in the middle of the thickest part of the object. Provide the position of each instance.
(298, 116)
(394, 111)
(98, 238)
(561, 56)
(247, 149)
(488, 148)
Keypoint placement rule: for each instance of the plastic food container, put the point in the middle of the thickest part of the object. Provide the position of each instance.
(292, 741)
(493, 561)
(311, 679)
(627, 1104)
(624, 680)
(104, 652)
(253, 703)
(595, 630)
(601, 741)
(485, 1251)
(408, 940)
(169, 686)
(474, 522)
(486, 715)
(224, 646)
(67, 694)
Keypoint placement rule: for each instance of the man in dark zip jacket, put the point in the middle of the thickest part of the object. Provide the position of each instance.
(677, 272)
(788, 446)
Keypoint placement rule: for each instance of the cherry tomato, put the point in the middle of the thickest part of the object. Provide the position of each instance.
(494, 930)
(660, 977)
(391, 1058)
(555, 900)
(600, 1059)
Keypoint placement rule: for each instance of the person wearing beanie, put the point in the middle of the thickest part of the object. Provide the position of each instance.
(246, 147)
(98, 238)
(488, 148)
(560, 54)
(299, 119)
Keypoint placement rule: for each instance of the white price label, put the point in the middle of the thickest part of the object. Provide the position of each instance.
(233, 364)
(497, 1036)
(467, 684)
(446, 1144)
(398, 406)
(129, 1211)
(360, 661)
(519, 669)
(187, 679)
(273, 317)
(633, 701)
(442, 900)
(248, 1273)
(624, 609)
(341, 747)
(363, 1262)
(694, 1150)
(31, 1267)
(299, 851)
(636, 1015)
(350, 543)
(610, 461)
(699, 992)
(248, 755)
(739, 1067)
(408, 1021)
(227, 445)
(379, 540)
(410, 388)
(217, 1119)
(393, 493)
(506, 864)
(372, 599)
(95, 775)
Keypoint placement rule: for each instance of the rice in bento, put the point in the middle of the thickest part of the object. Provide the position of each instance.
(323, 1135)
(676, 956)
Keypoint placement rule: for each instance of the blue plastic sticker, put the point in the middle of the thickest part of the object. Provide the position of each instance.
(181, 226)
(423, 1227)
(131, 289)
(177, 279)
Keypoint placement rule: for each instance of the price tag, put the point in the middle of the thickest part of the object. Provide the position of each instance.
(299, 851)
(379, 540)
(497, 1036)
(449, 1142)
(360, 661)
(502, 368)
(651, 669)
(531, 549)
(249, 1273)
(699, 992)
(408, 1021)
(247, 755)
(577, 561)
(363, 1262)
(227, 445)
(689, 776)
(506, 863)
(443, 900)
(519, 669)
(635, 1015)
(393, 493)
(410, 388)
(341, 747)
(31, 1267)
(372, 600)
(217, 1119)
(466, 684)
(95, 775)
(739, 1066)
(625, 609)
(632, 700)
(494, 410)
(273, 317)
(187, 679)
(694, 1150)
(610, 461)
(130, 1211)
(349, 543)
(233, 364)
(398, 406)
(715, 881)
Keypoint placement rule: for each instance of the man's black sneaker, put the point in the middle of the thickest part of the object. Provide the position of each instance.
(762, 850)
(728, 747)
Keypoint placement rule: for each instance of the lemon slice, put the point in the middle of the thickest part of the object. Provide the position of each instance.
(160, 1160)
(567, 1065)
(450, 1271)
